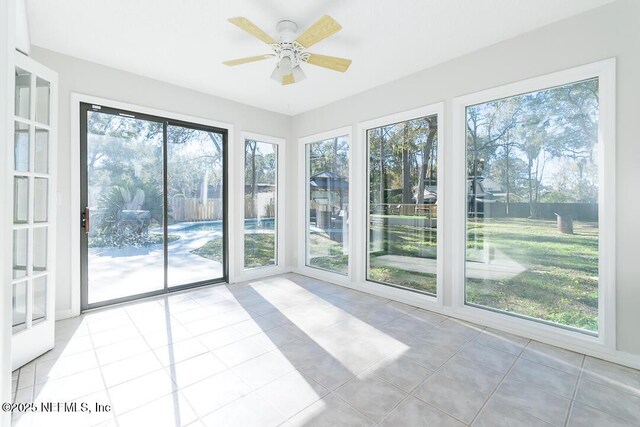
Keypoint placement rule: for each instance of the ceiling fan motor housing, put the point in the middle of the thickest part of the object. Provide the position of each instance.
(287, 31)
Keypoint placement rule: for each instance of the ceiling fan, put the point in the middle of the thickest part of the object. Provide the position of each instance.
(290, 51)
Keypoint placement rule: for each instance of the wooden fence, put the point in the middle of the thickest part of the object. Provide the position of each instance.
(424, 210)
(194, 210)
(263, 206)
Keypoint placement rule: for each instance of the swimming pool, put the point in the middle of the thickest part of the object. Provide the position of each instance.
(249, 224)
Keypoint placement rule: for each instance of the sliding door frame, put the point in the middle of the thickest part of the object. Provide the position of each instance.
(85, 105)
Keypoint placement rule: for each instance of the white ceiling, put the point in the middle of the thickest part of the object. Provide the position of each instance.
(184, 41)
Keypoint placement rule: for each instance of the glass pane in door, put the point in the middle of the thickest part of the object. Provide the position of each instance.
(40, 249)
(19, 306)
(39, 305)
(124, 196)
(20, 250)
(20, 200)
(41, 163)
(23, 94)
(43, 89)
(21, 147)
(195, 190)
(40, 199)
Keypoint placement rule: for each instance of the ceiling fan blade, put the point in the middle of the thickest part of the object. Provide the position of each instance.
(288, 79)
(330, 62)
(252, 29)
(240, 61)
(322, 29)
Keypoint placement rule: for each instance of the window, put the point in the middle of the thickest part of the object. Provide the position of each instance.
(260, 204)
(403, 204)
(327, 210)
(533, 205)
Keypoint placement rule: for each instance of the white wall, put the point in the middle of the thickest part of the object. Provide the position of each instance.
(88, 78)
(7, 47)
(610, 31)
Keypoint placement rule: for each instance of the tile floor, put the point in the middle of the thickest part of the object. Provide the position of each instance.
(295, 351)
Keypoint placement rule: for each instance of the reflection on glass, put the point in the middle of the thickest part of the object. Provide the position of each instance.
(124, 190)
(328, 204)
(20, 200)
(19, 306)
(403, 196)
(40, 200)
(21, 147)
(532, 205)
(260, 204)
(40, 249)
(20, 251)
(41, 164)
(43, 92)
(195, 192)
(39, 307)
(23, 94)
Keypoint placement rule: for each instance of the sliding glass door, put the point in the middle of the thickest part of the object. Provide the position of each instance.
(195, 202)
(153, 205)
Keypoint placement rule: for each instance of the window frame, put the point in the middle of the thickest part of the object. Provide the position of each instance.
(303, 179)
(76, 100)
(395, 291)
(279, 266)
(605, 72)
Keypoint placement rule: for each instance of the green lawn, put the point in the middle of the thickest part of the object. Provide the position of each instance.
(406, 240)
(259, 250)
(560, 283)
(327, 254)
(211, 250)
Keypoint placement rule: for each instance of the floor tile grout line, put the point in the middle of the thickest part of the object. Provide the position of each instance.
(385, 381)
(337, 396)
(606, 412)
(436, 371)
(114, 414)
(307, 379)
(495, 389)
(163, 368)
(351, 310)
(575, 392)
(547, 365)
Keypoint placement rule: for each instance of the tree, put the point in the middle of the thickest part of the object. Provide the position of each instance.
(426, 166)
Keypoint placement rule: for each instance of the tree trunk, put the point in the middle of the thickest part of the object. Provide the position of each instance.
(381, 168)
(507, 152)
(254, 180)
(407, 191)
(426, 162)
(530, 189)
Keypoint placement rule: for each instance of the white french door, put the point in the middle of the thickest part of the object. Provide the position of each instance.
(34, 194)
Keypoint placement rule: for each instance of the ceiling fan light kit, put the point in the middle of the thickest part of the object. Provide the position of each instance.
(290, 52)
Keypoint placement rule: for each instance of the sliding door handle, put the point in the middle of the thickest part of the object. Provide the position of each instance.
(85, 221)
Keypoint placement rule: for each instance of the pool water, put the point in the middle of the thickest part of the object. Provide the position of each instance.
(249, 224)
